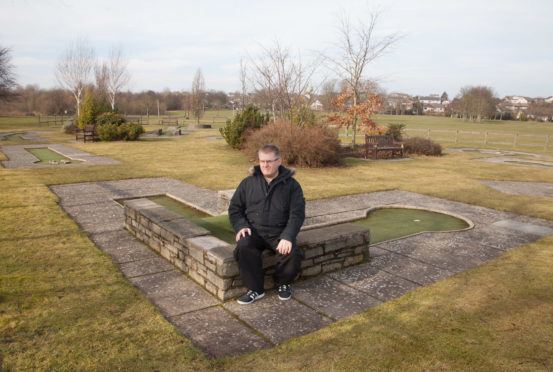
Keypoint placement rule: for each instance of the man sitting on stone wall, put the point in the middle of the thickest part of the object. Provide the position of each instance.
(267, 211)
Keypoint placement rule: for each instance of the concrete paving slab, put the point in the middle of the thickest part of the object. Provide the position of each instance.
(218, 333)
(278, 320)
(173, 293)
(410, 269)
(332, 298)
(525, 227)
(521, 188)
(376, 283)
(145, 267)
(448, 251)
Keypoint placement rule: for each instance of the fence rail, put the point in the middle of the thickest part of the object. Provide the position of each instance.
(54, 120)
(486, 137)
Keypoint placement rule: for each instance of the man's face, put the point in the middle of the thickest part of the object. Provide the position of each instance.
(269, 163)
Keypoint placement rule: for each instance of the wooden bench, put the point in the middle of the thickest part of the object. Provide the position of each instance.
(169, 121)
(374, 144)
(87, 133)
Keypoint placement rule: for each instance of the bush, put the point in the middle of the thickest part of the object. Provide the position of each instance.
(91, 107)
(111, 117)
(303, 147)
(125, 132)
(247, 120)
(396, 130)
(422, 146)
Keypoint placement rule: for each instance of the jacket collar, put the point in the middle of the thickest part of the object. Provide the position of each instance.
(283, 172)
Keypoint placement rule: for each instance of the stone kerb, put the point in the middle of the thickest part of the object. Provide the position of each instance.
(210, 262)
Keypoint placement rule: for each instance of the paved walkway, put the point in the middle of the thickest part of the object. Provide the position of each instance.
(19, 157)
(510, 157)
(226, 328)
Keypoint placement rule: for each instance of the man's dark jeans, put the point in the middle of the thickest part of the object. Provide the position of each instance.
(248, 254)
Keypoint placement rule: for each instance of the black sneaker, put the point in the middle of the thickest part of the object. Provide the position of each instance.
(284, 292)
(249, 297)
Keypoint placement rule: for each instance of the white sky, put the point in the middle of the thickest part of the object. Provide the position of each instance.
(446, 44)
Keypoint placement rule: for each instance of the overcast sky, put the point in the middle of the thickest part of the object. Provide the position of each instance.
(445, 44)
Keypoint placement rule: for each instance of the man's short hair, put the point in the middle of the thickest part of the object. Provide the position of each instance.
(270, 148)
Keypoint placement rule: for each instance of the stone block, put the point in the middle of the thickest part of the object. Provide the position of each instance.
(355, 240)
(197, 254)
(180, 264)
(331, 267)
(228, 269)
(220, 255)
(306, 263)
(218, 281)
(353, 260)
(184, 228)
(205, 243)
(311, 271)
(196, 277)
(325, 258)
(230, 293)
(159, 214)
(313, 252)
(334, 245)
(211, 288)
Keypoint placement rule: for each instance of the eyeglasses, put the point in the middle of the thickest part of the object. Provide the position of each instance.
(268, 161)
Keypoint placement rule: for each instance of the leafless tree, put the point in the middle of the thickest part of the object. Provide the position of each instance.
(357, 47)
(476, 103)
(7, 79)
(243, 84)
(284, 79)
(74, 69)
(118, 75)
(197, 95)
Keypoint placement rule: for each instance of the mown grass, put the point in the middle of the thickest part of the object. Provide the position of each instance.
(64, 305)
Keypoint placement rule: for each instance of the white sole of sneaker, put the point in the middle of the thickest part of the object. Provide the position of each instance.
(284, 298)
(252, 301)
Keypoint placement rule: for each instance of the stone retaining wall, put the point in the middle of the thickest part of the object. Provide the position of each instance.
(209, 260)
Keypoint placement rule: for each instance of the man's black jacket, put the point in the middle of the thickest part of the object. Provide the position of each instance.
(274, 211)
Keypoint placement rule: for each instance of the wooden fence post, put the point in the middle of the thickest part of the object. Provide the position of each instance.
(428, 134)
(546, 142)
(456, 136)
(515, 141)
(485, 138)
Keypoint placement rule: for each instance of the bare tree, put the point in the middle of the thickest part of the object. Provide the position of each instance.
(476, 103)
(118, 75)
(7, 79)
(243, 84)
(357, 47)
(285, 80)
(74, 69)
(197, 95)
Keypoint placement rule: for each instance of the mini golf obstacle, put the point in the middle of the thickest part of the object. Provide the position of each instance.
(203, 246)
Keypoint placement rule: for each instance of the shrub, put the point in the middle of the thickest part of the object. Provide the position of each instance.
(108, 132)
(111, 117)
(396, 130)
(125, 132)
(247, 120)
(422, 146)
(303, 147)
(91, 107)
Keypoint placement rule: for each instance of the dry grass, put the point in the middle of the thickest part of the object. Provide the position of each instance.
(64, 304)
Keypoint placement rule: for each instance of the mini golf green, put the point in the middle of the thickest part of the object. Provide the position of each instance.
(392, 223)
(47, 156)
(14, 138)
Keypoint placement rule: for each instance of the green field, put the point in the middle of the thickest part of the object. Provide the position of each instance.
(64, 305)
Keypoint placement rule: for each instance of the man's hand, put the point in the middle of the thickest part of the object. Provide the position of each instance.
(284, 246)
(243, 232)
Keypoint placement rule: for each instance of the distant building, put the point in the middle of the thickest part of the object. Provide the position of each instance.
(398, 102)
(317, 105)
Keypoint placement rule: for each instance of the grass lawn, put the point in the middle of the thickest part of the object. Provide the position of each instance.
(64, 305)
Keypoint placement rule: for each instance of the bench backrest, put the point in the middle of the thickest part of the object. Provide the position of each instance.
(379, 140)
(89, 128)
